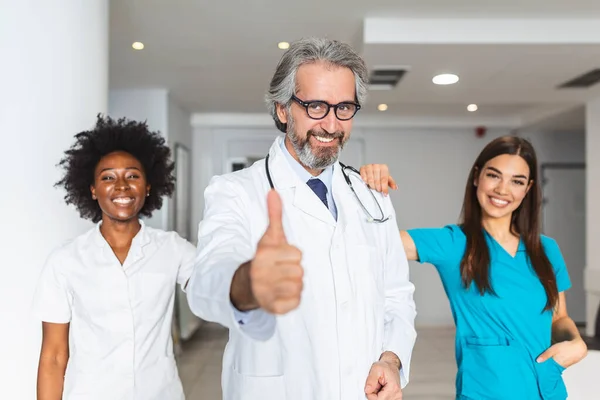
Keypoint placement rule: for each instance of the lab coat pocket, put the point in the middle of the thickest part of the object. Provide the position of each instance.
(259, 387)
(550, 380)
(489, 367)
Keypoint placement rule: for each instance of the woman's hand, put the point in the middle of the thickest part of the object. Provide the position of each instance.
(377, 176)
(565, 353)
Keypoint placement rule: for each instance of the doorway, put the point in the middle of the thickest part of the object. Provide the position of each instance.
(563, 212)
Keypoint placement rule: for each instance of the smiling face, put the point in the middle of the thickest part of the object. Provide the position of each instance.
(502, 184)
(120, 186)
(316, 144)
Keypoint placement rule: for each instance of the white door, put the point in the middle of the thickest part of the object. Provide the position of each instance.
(564, 220)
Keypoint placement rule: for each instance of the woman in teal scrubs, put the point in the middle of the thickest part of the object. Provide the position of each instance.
(504, 280)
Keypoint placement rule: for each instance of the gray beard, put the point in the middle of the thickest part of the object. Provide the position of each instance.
(305, 153)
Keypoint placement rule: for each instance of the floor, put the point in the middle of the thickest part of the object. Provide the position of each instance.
(432, 374)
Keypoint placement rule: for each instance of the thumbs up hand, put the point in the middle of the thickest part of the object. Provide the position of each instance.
(275, 272)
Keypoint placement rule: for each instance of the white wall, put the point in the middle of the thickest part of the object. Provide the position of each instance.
(430, 164)
(54, 82)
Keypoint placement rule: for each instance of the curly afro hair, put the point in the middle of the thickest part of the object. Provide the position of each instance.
(108, 136)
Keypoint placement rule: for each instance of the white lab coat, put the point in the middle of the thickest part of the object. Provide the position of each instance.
(357, 300)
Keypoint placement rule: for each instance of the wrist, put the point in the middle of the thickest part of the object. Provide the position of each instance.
(392, 359)
(241, 294)
(580, 343)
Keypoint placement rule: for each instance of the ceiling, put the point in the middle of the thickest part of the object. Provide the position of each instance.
(218, 57)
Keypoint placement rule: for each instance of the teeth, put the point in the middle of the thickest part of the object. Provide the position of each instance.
(323, 140)
(498, 201)
(123, 200)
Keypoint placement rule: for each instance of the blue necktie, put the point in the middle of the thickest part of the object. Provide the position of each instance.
(320, 189)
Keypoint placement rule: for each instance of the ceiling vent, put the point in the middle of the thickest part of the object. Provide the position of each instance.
(583, 81)
(386, 78)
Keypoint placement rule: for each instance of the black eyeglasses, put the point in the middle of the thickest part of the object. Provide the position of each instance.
(318, 109)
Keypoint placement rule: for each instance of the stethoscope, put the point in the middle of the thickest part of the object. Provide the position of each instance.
(370, 218)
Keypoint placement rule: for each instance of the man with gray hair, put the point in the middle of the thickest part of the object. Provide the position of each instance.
(300, 259)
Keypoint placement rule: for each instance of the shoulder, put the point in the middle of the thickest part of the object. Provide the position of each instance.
(241, 178)
(69, 251)
(237, 190)
(168, 238)
(548, 243)
(456, 231)
(552, 250)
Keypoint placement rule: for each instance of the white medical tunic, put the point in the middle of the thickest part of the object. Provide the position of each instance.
(357, 300)
(120, 315)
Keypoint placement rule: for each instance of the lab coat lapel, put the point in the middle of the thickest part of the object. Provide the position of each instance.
(305, 200)
(344, 200)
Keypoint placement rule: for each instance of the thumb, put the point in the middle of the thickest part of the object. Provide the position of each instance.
(549, 353)
(275, 210)
(373, 383)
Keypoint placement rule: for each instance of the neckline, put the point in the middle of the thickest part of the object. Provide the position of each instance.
(520, 246)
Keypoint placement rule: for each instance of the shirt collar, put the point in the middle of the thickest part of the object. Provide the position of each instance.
(141, 238)
(326, 176)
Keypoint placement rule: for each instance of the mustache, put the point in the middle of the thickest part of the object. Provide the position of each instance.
(334, 135)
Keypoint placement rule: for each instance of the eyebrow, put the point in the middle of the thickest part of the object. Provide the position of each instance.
(514, 176)
(323, 101)
(128, 168)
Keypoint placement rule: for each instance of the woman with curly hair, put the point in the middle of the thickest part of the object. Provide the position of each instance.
(106, 297)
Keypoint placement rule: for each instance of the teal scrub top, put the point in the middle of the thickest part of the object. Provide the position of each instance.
(498, 338)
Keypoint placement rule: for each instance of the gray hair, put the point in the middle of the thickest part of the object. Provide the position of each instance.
(306, 51)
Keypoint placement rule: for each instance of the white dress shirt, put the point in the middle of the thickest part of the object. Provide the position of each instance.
(120, 315)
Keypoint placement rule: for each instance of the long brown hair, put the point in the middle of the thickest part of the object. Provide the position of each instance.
(475, 264)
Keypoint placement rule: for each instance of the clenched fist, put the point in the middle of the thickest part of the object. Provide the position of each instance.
(383, 382)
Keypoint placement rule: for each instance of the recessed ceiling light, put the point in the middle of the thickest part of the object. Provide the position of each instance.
(138, 45)
(472, 107)
(382, 107)
(283, 45)
(445, 79)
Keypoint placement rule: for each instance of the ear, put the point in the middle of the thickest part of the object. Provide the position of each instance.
(475, 176)
(93, 190)
(148, 190)
(281, 113)
(529, 186)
